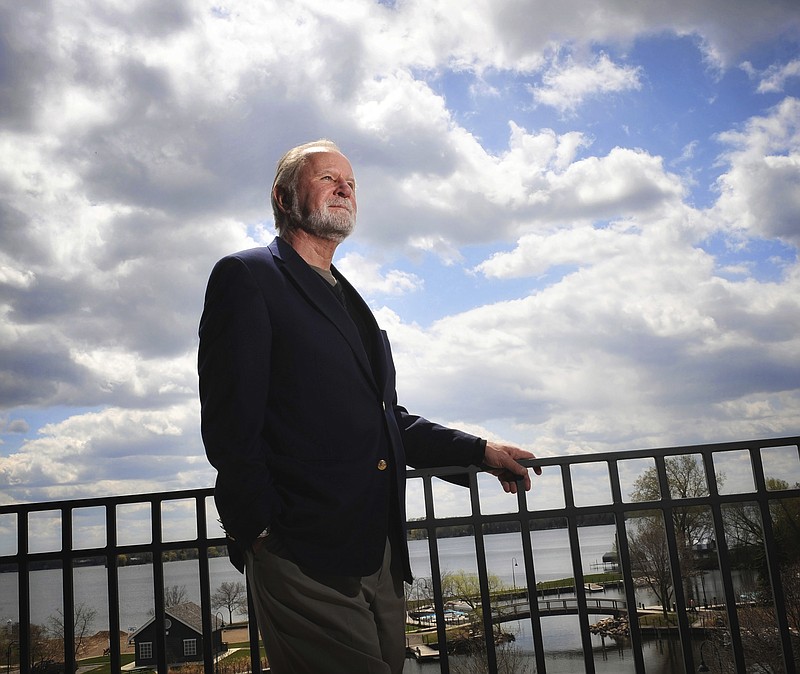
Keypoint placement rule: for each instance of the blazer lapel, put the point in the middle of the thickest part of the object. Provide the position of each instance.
(311, 286)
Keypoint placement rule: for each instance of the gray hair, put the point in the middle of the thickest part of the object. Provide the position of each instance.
(288, 173)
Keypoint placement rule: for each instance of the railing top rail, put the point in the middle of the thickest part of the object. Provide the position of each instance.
(569, 459)
(96, 501)
(628, 454)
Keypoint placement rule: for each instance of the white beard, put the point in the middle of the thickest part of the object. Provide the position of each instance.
(326, 223)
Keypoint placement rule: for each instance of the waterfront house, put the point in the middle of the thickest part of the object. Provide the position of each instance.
(184, 636)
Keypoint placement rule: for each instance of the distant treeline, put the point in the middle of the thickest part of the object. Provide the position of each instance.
(507, 527)
(127, 559)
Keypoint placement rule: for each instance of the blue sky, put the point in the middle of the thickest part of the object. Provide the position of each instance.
(578, 222)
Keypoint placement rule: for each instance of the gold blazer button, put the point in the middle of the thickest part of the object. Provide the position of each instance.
(382, 465)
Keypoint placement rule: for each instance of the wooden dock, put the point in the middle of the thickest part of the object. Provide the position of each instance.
(423, 652)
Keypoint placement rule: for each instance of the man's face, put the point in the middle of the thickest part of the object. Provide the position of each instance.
(325, 202)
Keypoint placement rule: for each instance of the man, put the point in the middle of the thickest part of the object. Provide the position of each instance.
(301, 421)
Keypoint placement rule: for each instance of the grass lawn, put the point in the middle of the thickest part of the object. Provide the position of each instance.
(657, 620)
(101, 664)
(244, 653)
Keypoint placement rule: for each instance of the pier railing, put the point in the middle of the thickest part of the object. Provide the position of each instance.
(678, 513)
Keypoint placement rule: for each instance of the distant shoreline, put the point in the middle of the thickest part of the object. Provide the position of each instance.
(123, 559)
(189, 553)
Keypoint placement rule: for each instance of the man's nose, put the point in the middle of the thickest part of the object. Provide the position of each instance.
(344, 189)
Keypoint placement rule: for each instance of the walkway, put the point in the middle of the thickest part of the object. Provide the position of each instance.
(568, 606)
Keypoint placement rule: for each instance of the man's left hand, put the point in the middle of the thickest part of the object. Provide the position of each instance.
(501, 461)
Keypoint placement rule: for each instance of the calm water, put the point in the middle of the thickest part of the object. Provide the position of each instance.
(504, 558)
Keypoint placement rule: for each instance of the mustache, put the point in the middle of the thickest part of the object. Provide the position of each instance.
(337, 201)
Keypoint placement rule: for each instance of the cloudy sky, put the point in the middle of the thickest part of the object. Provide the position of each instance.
(578, 221)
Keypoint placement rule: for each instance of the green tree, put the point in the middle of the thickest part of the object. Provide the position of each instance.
(465, 587)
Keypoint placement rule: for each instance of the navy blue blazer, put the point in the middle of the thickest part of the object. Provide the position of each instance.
(306, 438)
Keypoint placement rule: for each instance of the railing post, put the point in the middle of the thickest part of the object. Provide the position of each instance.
(483, 575)
(158, 586)
(771, 551)
(724, 564)
(24, 584)
(206, 612)
(624, 562)
(68, 590)
(577, 569)
(112, 575)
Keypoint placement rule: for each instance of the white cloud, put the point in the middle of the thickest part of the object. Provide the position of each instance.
(578, 247)
(760, 192)
(775, 77)
(567, 85)
(113, 451)
(366, 275)
(644, 345)
(140, 139)
(537, 182)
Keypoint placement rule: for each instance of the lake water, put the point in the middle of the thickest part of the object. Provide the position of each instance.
(504, 559)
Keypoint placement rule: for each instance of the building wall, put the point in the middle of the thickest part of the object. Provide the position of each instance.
(177, 633)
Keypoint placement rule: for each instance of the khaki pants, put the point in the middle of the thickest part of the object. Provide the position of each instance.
(313, 623)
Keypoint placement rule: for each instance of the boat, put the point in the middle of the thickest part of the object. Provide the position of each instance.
(593, 587)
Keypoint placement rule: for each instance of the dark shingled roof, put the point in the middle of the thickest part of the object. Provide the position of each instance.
(189, 614)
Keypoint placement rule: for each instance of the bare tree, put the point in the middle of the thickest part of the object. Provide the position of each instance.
(650, 557)
(419, 591)
(230, 596)
(174, 595)
(43, 646)
(744, 526)
(510, 660)
(759, 629)
(686, 478)
(82, 623)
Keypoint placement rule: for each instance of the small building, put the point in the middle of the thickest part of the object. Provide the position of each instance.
(610, 560)
(184, 636)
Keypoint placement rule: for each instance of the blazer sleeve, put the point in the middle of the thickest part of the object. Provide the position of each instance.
(234, 368)
(430, 445)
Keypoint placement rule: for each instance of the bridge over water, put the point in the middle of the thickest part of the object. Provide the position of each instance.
(567, 606)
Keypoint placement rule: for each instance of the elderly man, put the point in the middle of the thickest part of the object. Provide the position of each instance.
(301, 421)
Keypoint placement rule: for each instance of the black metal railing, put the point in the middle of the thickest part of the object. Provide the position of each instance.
(760, 496)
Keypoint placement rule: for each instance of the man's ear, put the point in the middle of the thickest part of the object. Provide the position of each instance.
(282, 198)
